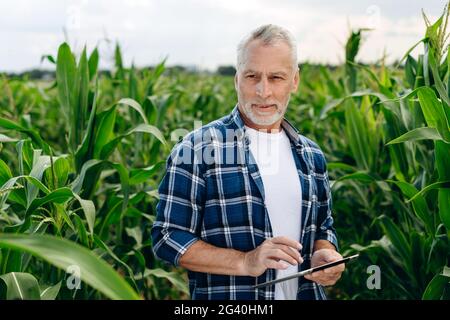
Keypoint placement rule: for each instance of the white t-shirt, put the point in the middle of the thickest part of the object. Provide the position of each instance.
(283, 198)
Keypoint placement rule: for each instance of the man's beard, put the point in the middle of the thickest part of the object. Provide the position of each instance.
(262, 120)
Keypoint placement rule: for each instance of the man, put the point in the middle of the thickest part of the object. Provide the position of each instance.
(244, 208)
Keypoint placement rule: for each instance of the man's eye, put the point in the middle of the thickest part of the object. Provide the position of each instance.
(250, 76)
(277, 78)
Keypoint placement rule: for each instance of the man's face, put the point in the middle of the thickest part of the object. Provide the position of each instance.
(264, 84)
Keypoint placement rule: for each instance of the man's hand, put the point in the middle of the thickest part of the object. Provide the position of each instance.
(272, 253)
(327, 277)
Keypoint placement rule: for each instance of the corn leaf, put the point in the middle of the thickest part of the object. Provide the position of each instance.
(64, 253)
(21, 286)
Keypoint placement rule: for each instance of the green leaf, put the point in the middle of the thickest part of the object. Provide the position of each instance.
(8, 186)
(77, 184)
(93, 63)
(411, 70)
(144, 174)
(423, 133)
(136, 234)
(125, 183)
(340, 165)
(49, 58)
(104, 131)
(358, 136)
(118, 63)
(10, 125)
(5, 172)
(419, 204)
(432, 108)
(337, 102)
(80, 106)
(61, 168)
(65, 78)
(86, 149)
(436, 185)
(40, 164)
(81, 230)
(173, 277)
(50, 292)
(135, 105)
(64, 253)
(410, 50)
(60, 195)
(133, 90)
(109, 251)
(21, 286)
(398, 240)
(397, 152)
(152, 110)
(98, 165)
(89, 212)
(442, 152)
(444, 206)
(433, 111)
(437, 79)
(436, 286)
(35, 137)
(145, 128)
(360, 176)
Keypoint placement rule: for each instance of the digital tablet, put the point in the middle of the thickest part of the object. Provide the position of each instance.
(308, 271)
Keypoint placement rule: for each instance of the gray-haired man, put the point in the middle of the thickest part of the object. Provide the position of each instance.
(234, 225)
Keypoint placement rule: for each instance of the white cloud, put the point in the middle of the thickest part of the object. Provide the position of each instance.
(200, 32)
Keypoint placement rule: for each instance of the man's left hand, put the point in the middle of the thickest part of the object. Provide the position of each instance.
(327, 277)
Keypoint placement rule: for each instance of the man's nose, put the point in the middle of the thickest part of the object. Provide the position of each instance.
(263, 88)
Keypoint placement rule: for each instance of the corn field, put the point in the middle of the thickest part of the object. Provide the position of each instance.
(82, 155)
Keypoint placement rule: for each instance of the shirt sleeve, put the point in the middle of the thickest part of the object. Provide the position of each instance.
(179, 210)
(325, 230)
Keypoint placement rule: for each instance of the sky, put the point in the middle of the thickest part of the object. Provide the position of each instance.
(204, 33)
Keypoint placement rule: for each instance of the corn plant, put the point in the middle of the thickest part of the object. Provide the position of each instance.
(398, 135)
(85, 196)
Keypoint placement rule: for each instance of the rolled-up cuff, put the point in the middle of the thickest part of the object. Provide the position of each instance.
(330, 236)
(173, 245)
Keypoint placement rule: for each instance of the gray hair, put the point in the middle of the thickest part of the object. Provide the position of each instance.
(268, 34)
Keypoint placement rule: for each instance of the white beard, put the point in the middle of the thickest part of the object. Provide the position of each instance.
(262, 120)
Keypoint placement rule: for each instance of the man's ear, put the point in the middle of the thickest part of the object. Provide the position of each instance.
(296, 81)
(236, 80)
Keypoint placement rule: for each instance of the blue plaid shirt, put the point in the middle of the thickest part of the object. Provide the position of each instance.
(213, 191)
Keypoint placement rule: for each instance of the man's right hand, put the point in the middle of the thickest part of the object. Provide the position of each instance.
(272, 253)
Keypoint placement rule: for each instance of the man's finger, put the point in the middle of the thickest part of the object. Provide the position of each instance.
(290, 251)
(287, 241)
(315, 275)
(333, 275)
(279, 254)
(273, 264)
(336, 269)
(321, 277)
(330, 281)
